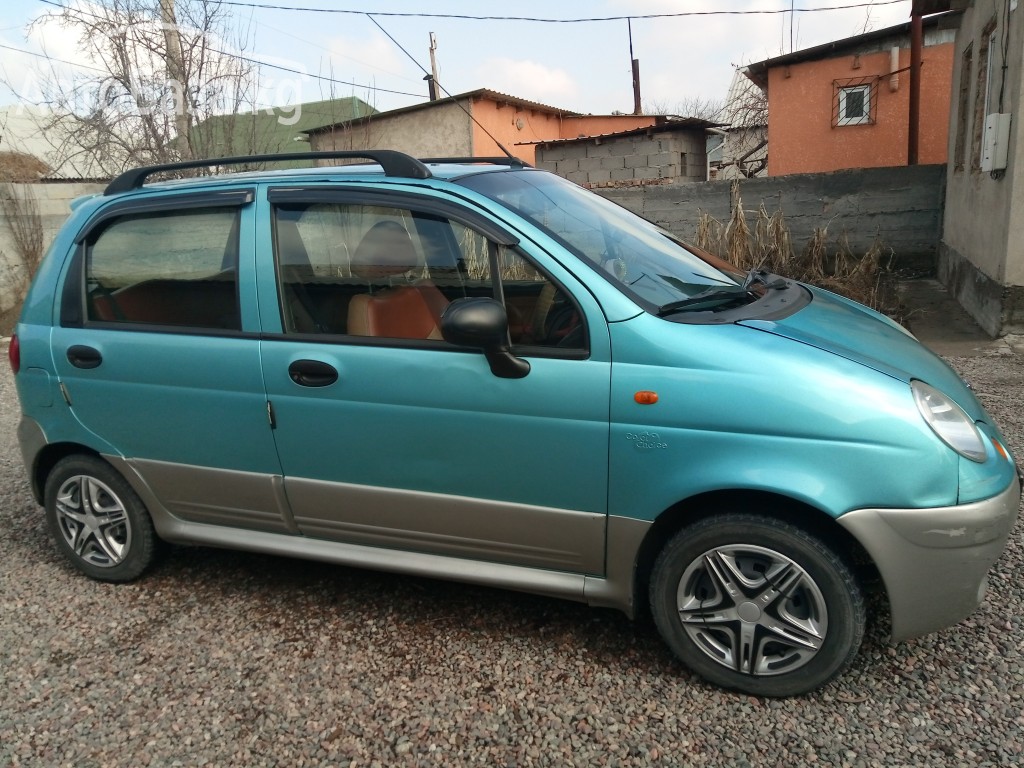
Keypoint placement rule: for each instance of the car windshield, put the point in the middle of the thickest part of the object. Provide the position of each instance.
(645, 261)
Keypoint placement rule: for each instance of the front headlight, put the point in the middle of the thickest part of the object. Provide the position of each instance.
(948, 420)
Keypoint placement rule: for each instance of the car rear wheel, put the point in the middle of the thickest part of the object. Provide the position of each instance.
(98, 521)
(757, 605)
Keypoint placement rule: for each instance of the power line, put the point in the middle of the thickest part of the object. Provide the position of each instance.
(438, 85)
(315, 77)
(229, 54)
(469, 17)
(263, 25)
(52, 58)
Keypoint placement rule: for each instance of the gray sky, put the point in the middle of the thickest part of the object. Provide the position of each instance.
(581, 66)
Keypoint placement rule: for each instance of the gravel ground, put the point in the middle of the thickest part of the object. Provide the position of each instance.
(220, 658)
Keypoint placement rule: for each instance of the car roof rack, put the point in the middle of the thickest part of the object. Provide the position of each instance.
(394, 164)
(514, 162)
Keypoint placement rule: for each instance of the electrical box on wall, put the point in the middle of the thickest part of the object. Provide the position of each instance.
(997, 138)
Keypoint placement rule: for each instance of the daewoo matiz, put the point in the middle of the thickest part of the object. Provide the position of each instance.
(475, 370)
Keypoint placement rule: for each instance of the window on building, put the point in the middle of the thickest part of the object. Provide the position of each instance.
(981, 92)
(854, 105)
(854, 101)
(963, 104)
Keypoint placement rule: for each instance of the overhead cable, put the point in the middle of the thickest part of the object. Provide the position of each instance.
(471, 17)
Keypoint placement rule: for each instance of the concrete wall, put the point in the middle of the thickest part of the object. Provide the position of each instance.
(656, 158)
(444, 130)
(981, 260)
(901, 206)
(53, 202)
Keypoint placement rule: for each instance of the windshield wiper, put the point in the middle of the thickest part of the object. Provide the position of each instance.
(726, 295)
(760, 276)
(711, 295)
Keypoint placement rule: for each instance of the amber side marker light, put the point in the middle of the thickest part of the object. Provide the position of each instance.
(1000, 450)
(646, 397)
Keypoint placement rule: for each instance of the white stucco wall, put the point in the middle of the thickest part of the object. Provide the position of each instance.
(53, 201)
(1015, 243)
(981, 258)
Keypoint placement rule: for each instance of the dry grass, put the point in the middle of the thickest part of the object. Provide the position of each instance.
(17, 166)
(832, 265)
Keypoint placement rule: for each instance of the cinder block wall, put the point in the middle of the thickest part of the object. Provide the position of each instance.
(901, 206)
(660, 158)
(53, 200)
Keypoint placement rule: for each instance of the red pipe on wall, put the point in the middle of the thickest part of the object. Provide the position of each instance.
(916, 43)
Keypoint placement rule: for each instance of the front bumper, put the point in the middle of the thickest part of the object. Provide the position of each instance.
(934, 562)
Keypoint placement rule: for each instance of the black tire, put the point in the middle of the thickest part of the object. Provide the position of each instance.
(754, 604)
(97, 520)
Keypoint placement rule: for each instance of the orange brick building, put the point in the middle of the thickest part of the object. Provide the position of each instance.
(846, 104)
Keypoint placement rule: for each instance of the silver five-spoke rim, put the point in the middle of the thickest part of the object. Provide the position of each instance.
(93, 521)
(752, 610)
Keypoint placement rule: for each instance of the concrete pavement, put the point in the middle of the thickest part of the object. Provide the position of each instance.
(942, 325)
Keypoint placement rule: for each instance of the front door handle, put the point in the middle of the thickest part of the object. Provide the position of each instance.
(82, 356)
(312, 373)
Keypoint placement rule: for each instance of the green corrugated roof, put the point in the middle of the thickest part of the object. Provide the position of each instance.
(264, 132)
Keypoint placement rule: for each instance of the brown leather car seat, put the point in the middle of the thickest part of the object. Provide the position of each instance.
(411, 311)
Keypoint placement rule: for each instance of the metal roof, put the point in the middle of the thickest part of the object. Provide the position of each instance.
(669, 124)
(479, 93)
(758, 72)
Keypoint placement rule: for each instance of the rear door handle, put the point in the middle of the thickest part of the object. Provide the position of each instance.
(82, 356)
(312, 373)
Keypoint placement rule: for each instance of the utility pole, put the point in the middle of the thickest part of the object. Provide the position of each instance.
(637, 107)
(175, 68)
(914, 109)
(432, 79)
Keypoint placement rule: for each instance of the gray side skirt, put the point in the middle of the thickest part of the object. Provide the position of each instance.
(227, 530)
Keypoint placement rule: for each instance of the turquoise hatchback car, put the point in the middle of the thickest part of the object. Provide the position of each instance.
(470, 369)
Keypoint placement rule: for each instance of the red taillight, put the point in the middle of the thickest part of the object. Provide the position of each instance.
(14, 353)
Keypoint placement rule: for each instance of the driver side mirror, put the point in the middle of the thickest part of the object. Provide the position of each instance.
(481, 323)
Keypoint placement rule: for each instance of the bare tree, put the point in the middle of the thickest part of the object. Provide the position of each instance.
(158, 69)
(746, 105)
(690, 106)
(20, 212)
(745, 117)
(19, 215)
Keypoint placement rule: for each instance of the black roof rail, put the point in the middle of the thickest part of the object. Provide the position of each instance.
(394, 164)
(514, 162)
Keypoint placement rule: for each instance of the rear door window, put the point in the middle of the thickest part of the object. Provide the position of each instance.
(168, 268)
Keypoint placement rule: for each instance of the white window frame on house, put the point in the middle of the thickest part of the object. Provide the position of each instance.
(992, 72)
(865, 116)
(866, 88)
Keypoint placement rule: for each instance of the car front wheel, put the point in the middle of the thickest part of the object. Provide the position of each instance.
(97, 520)
(754, 604)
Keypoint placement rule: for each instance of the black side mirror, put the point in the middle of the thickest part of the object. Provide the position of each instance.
(481, 323)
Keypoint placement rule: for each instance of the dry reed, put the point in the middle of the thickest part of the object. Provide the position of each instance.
(868, 278)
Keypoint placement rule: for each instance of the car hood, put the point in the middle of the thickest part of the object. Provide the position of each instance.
(852, 331)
